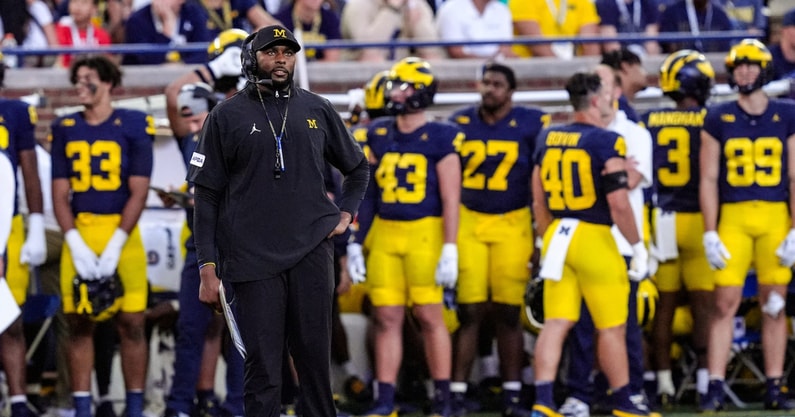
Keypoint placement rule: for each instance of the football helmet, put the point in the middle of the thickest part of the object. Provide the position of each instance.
(647, 297)
(411, 72)
(100, 299)
(533, 316)
(225, 39)
(750, 51)
(687, 73)
(374, 94)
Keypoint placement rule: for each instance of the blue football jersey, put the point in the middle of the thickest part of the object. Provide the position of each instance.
(17, 131)
(99, 159)
(676, 139)
(753, 161)
(408, 186)
(497, 159)
(571, 159)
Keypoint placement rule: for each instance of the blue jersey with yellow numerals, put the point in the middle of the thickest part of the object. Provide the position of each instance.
(408, 186)
(99, 159)
(497, 159)
(571, 160)
(753, 161)
(17, 130)
(676, 139)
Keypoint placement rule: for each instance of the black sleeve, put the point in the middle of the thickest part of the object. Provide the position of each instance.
(353, 187)
(204, 223)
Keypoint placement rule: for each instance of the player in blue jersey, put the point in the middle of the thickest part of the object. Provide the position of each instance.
(26, 248)
(686, 77)
(410, 246)
(101, 164)
(580, 188)
(495, 238)
(746, 195)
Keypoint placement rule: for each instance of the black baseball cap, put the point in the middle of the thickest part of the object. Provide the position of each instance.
(274, 35)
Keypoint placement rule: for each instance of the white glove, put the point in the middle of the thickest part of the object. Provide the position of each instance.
(84, 259)
(34, 251)
(639, 265)
(447, 268)
(356, 268)
(786, 251)
(109, 259)
(717, 254)
(227, 64)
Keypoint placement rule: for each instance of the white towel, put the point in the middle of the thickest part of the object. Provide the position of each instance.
(665, 238)
(555, 257)
(9, 310)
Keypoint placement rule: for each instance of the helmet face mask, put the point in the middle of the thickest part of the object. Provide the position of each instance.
(410, 73)
(751, 52)
(687, 73)
(99, 299)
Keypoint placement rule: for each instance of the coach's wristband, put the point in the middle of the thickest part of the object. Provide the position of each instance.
(206, 264)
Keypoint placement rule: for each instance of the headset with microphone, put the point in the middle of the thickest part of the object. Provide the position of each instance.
(248, 62)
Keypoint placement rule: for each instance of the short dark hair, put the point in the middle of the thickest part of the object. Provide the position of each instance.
(108, 71)
(615, 58)
(505, 70)
(580, 87)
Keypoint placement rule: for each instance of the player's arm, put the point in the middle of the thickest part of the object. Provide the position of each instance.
(449, 172)
(618, 198)
(541, 213)
(7, 187)
(180, 126)
(139, 189)
(709, 163)
(61, 189)
(30, 172)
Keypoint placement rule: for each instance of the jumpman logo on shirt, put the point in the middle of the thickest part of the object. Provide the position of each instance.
(254, 129)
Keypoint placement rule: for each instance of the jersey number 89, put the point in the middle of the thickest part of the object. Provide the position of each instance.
(753, 162)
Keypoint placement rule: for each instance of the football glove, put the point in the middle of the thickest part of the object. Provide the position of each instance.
(447, 268)
(34, 251)
(717, 254)
(109, 259)
(227, 64)
(786, 251)
(639, 265)
(100, 299)
(356, 268)
(84, 259)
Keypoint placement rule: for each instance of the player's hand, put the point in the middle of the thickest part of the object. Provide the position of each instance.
(447, 268)
(84, 259)
(227, 64)
(109, 259)
(786, 251)
(717, 254)
(209, 293)
(34, 251)
(356, 268)
(639, 265)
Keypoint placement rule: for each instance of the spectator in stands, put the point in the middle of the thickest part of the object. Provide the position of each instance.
(475, 20)
(386, 21)
(167, 22)
(555, 18)
(679, 16)
(31, 23)
(784, 51)
(317, 22)
(248, 15)
(632, 75)
(116, 14)
(79, 29)
(748, 15)
(627, 17)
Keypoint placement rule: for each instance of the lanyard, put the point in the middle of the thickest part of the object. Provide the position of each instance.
(77, 40)
(278, 166)
(622, 8)
(692, 19)
(558, 13)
